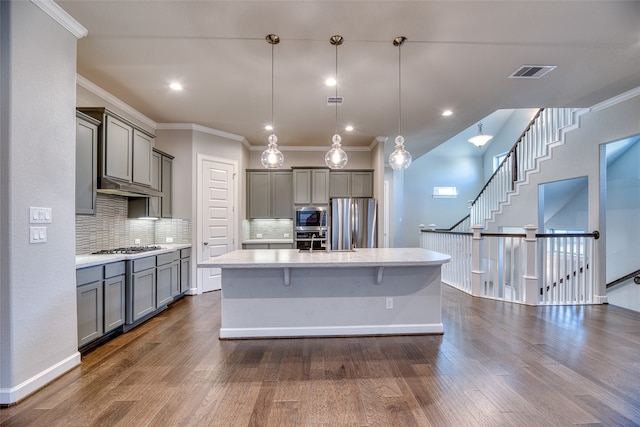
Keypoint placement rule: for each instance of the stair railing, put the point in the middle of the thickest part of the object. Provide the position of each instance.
(529, 268)
(534, 143)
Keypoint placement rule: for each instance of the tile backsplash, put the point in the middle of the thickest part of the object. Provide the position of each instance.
(111, 227)
(268, 228)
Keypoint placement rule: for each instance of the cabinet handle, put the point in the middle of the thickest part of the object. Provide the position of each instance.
(206, 243)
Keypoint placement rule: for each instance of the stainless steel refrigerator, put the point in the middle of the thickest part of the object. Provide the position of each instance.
(353, 223)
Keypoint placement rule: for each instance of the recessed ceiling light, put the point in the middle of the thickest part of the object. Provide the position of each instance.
(348, 128)
(447, 113)
(330, 82)
(268, 127)
(175, 86)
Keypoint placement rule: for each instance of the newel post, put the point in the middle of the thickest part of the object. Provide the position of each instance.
(477, 271)
(529, 277)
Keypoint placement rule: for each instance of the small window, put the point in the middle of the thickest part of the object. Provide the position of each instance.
(497, 160)
(444, 192)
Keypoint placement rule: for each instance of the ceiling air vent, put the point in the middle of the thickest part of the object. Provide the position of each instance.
(531, 71)
(335, 100)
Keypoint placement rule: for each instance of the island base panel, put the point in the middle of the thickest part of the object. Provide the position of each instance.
(330, 302)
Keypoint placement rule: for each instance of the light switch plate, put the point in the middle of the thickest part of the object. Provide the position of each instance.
(37, 234)
(40, 215)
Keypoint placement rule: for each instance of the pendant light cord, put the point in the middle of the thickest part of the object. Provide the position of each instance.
(400, 89)
(273, 129)
(335, 100)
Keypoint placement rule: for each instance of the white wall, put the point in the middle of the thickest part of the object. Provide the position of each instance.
(464, 173)
(38, 332)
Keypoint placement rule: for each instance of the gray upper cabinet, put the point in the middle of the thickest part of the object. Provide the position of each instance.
(142, 146)
(86, 163)
(166, 184)
(124, 149)
(156, 169)
(117, 148)
(269, 194)
(311, 186)
(356, 183)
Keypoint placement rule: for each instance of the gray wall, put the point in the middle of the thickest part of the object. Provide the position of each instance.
(38, 333)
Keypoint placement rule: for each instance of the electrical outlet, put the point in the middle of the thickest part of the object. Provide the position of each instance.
(169, 240)
(286, 235)
(136, 241)
(388, 303)
(259, 235)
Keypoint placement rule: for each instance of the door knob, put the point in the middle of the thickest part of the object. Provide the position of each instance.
(206, 243)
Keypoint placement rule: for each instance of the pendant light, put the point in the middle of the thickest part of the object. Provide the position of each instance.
(480, 139)
(336, 158)
(272, 158)
(400, 158)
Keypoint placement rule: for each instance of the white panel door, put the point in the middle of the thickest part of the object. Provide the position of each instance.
(217, 217)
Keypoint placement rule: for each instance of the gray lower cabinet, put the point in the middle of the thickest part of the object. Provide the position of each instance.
(90, 309)
(185, 269)
(141, 292)
(267, 246)
(100, 299)
(114, 290)
(168, 277)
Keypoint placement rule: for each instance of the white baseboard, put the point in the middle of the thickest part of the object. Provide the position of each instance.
(12, 395)
(332, 331)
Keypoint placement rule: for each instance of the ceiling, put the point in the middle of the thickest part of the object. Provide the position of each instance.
(458, 56)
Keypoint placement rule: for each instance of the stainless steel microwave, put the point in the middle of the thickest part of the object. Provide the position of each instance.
(311, 218)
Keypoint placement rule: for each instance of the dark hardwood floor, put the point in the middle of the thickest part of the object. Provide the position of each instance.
(496, 364)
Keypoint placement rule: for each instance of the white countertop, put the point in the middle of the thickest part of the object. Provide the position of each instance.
(366, 257)
(89, 260)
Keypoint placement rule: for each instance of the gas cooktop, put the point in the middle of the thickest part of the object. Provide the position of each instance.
(127, 250)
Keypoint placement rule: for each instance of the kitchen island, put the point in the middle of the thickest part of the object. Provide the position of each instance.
(287, 293)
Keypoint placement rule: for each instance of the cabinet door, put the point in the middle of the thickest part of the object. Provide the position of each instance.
(259, 194)
(90, 314)
(340, 184)
(86, 165)
(117, 148)
(143, 298)
(156, 167)
(164, 284)
(282, 194)
(142, 148)
(320, 186)
(113, 303)
(167, 187)
(175, 278)
(302, 186)
(185, 274)
(362, 184)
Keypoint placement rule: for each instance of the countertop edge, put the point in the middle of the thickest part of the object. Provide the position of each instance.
(91, 260)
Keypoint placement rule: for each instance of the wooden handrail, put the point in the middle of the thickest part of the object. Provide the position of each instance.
(459, 222)
(623, 279)
(595, 234)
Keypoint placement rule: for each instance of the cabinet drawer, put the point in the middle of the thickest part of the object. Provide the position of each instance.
(168, 258)
(88, 275)
(185, 253)
(114, 269)
(143, 264)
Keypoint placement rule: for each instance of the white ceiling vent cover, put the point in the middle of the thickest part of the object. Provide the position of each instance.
(335, 100)
(531, 71)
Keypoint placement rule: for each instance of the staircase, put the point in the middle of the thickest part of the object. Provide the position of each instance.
(545, 131)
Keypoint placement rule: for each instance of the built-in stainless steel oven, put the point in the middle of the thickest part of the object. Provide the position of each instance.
(311, 227)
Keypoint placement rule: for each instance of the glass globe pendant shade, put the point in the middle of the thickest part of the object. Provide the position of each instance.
(336, 158)
(272, 158)
(400, 158)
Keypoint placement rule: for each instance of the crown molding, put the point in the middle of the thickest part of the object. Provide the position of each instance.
(625, 96)
(299, 148)
(62, 17)
(97, 90)
(203, 129)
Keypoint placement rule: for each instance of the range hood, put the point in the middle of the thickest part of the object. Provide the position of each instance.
(120, 188)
